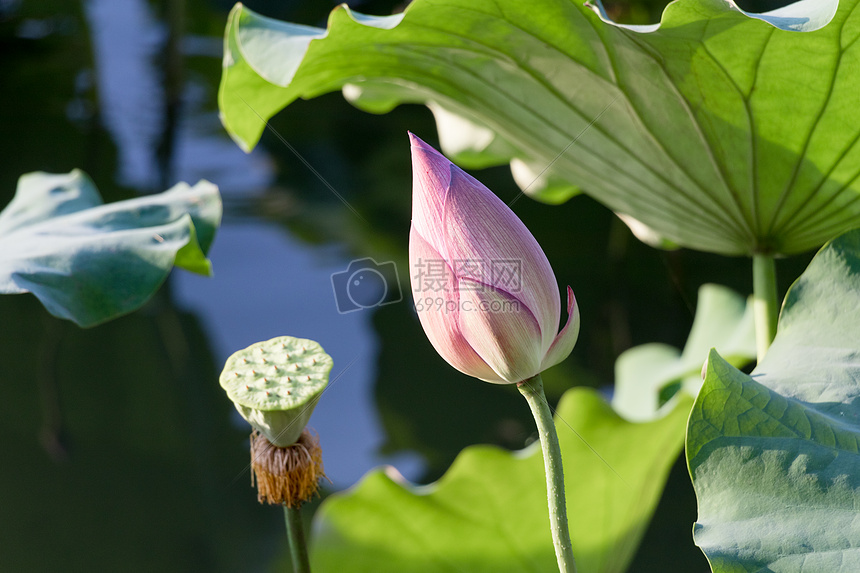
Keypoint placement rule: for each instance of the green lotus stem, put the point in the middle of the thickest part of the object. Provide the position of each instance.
(764, 302)
(532, 389)
(296, 535)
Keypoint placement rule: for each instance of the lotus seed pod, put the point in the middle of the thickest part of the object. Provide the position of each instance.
(276, 384)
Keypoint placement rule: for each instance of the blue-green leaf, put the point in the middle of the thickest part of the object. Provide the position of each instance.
(775, 455)
(89, 262)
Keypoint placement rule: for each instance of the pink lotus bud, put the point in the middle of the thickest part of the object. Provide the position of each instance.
(483, 288)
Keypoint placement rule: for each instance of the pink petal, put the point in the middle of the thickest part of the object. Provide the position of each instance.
(431, 176)
(438, 310)
(501, 329)
(480, 227)
(566, 339)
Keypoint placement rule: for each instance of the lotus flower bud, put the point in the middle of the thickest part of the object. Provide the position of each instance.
(483, 288)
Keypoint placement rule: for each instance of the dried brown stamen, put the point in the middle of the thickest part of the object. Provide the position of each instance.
(286, 476)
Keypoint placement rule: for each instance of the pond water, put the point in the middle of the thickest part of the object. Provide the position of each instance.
(292, 293)
(268, 283)
(121, 451)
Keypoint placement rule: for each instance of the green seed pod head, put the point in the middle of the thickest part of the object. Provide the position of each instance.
(275, 385)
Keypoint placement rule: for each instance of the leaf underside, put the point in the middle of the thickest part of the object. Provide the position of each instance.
(717, 130)
(775, 455)
(89, 262)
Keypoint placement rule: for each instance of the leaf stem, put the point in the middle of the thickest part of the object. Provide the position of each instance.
(532, 390)
(296, 535)
(764, 302)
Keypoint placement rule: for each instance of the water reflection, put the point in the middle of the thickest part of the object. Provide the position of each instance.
(127, 43)
(266, 285)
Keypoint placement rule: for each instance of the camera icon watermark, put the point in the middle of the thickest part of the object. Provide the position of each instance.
(364, 285)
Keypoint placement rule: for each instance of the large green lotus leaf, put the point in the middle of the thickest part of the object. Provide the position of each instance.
(716, 129)
(89, 262)
(775, 455)
(650, 377)
(488, 512)
(476, 146)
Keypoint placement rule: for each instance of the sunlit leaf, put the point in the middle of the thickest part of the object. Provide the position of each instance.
(488, 512)
(775, 455)
(718, 130)
(647, 377)
(89, 262)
